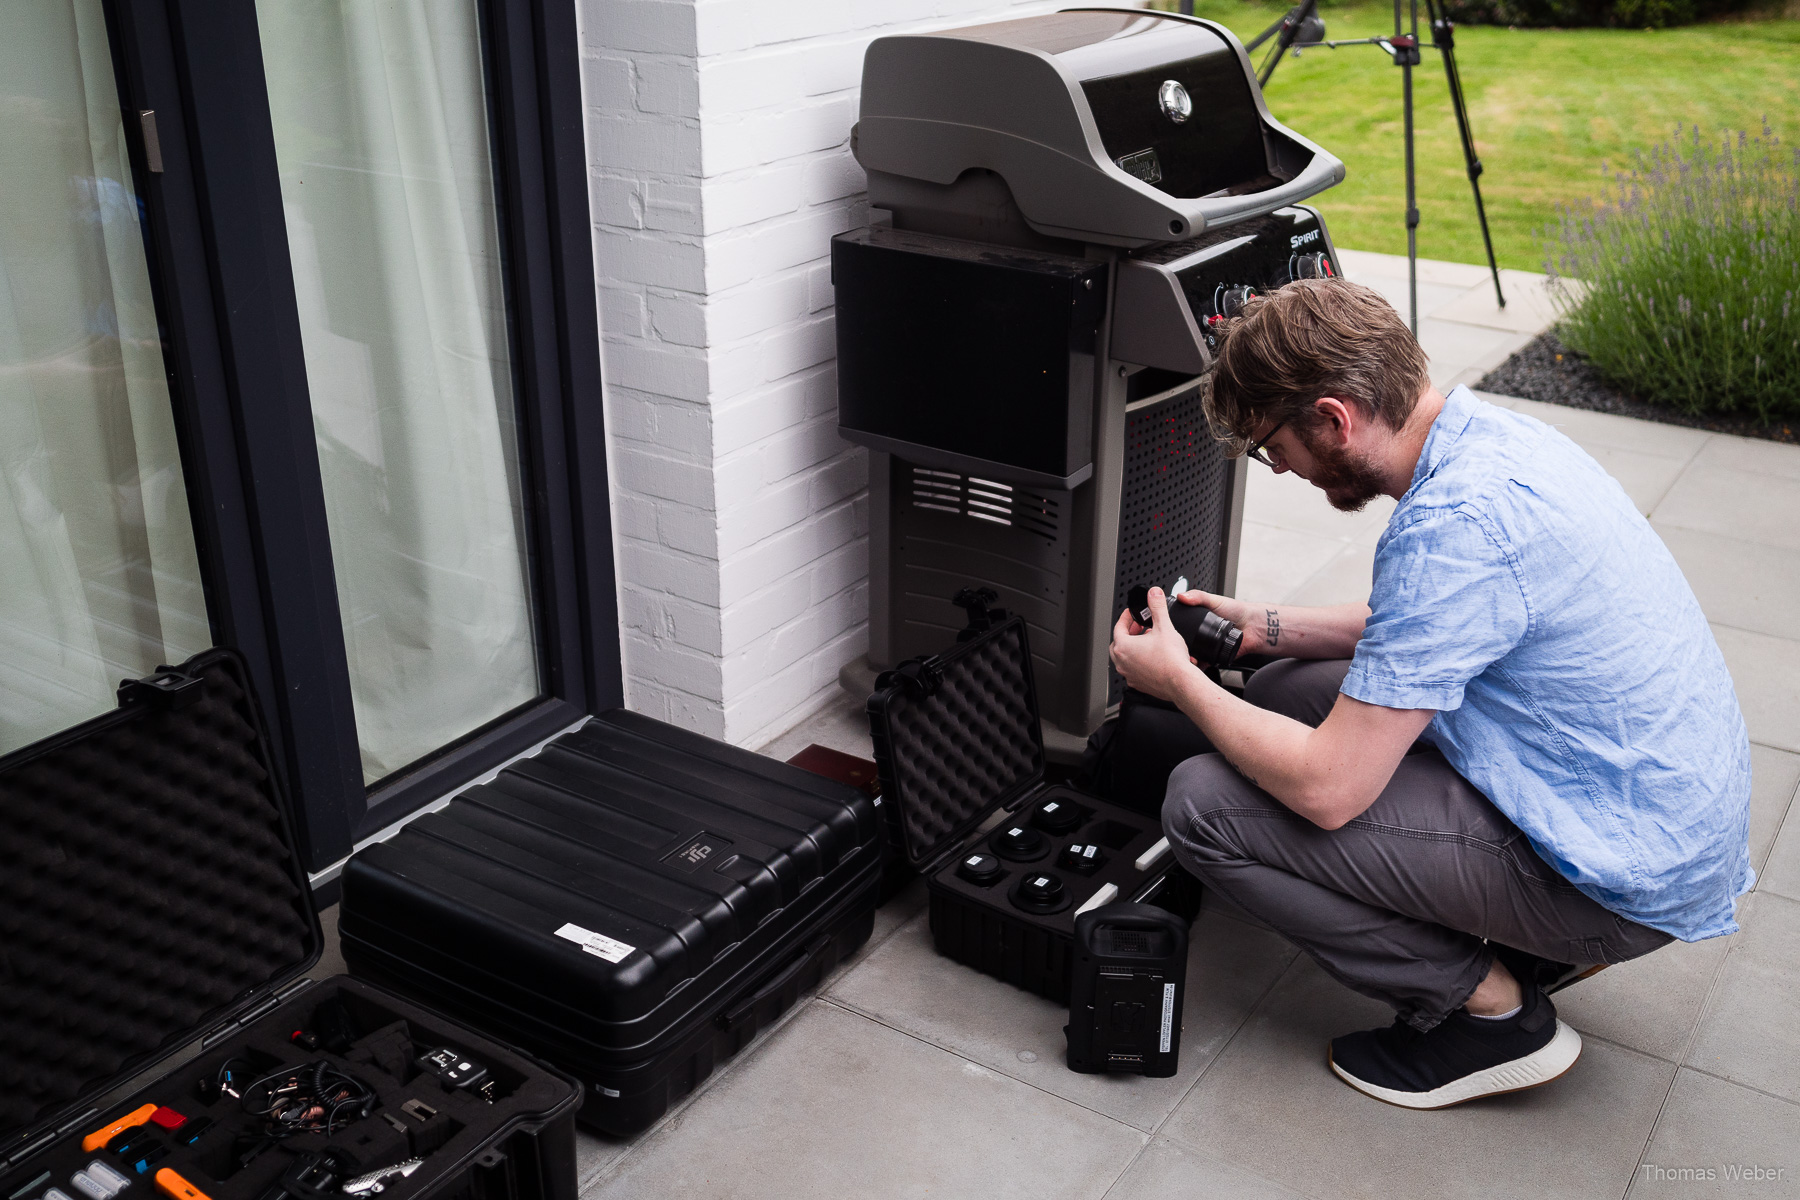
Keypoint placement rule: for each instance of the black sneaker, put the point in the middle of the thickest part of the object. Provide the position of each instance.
(1464, 1058)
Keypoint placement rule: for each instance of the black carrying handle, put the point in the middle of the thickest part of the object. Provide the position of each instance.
(809, 954)
(917, 677)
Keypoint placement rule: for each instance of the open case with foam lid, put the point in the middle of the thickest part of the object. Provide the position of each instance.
(154, 898)
(957, 740)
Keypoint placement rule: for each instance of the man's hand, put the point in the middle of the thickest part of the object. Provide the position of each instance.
(1261, 623)
(1154, 661)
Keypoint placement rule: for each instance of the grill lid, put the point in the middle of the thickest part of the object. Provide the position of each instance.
(1116, 126)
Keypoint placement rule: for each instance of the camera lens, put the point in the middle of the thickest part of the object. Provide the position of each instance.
(1020, 843)
(1057, 817)
(980, 869)
(1040, 892)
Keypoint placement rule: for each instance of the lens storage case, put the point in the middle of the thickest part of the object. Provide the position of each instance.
(957, 740)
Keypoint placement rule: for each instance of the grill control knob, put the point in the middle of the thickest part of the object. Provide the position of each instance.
(1310, 266)
(1230, 298)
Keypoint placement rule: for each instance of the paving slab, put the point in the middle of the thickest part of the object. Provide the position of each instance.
(1738, 583)
(1169, 1171)
(1751, 1031)
(1345, 579)
(839, 1105)
(1715, 1138)
(1752, 454)
(1766, 673)
(1588, 429)
(1774, 778)
(909, 986)
(1273, 561)
(1780, 873)
(1653, 1003)
(1454, 347)
(1531, 305)
(1751, 506)
(1271, 1106)
(1360, 263)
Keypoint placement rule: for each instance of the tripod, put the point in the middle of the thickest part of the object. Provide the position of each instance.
(1301, 28)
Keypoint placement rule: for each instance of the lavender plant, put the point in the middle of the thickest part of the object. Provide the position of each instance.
(1689, 273)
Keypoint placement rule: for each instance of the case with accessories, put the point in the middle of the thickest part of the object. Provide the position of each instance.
(957, 740)
(633, 903)
(154, 898)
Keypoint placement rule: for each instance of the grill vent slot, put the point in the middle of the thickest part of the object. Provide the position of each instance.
(986, 500)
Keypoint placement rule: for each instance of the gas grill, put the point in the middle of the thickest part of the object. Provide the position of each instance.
(1059, 207)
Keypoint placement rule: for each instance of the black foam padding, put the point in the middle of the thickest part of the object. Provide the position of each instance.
(147, 883)
(949, 757)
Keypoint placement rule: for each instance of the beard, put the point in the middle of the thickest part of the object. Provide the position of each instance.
(1348, 480)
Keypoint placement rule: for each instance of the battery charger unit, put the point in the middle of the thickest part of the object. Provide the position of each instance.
(1125, 991)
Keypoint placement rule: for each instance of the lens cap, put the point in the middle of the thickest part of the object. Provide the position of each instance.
(1058, 817)
(980, 869)
(1019, 843)
(1082, 857)
(1040, 892)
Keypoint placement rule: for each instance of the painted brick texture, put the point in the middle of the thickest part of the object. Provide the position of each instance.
(719, 169)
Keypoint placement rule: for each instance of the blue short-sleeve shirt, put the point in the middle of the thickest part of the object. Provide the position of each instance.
(1519, 592)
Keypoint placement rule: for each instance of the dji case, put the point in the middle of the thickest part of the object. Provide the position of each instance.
(957, 739)
(633, 903)
(154, 898)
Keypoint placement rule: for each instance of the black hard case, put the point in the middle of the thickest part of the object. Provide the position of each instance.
(957, 739)
(154, 897)
(733, 882)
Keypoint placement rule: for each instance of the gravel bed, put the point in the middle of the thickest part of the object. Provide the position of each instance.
(1546, 370)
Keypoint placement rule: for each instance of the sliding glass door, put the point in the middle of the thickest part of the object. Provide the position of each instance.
(380, 115)
(99, 577)
(297, 301)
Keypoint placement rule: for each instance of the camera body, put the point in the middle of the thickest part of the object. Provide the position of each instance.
(1211, 639)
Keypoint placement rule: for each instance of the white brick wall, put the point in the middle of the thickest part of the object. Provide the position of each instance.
(719, 169)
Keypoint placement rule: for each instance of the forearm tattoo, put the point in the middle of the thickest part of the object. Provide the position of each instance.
(1272, 634)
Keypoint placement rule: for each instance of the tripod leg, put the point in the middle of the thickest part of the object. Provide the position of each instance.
(1406, 61)
(1443, 37)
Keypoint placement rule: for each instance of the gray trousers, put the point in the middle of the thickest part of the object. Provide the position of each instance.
(1399, 903)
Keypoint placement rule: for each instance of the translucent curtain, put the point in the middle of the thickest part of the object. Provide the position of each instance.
(381, 133)
(99, 579)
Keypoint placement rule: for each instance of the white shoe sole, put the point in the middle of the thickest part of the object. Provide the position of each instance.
(1534, 1070)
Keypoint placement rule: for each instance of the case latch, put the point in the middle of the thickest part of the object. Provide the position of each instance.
(168, 688)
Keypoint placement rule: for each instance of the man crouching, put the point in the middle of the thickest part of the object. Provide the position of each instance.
(1522, 757)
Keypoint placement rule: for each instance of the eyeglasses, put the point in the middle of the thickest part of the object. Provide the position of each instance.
(1258, 453)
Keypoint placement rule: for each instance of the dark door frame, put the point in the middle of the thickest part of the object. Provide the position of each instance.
(217, 241)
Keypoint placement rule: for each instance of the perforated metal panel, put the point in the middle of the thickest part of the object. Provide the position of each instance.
(1174, 502)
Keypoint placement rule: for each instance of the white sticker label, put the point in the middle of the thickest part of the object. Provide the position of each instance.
(1050, 807)
(1168, 1017)
(1088, 853)
(611, 949)
(975, 860)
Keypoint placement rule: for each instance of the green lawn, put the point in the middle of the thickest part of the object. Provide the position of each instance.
(1548, 107)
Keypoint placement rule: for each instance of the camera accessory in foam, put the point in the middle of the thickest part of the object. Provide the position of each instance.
(957, 739)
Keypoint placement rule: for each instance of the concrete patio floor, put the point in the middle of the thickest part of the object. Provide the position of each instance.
(908, 1075)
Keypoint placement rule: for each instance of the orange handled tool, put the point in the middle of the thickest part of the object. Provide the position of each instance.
(100, 1137)
(171, 1184)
